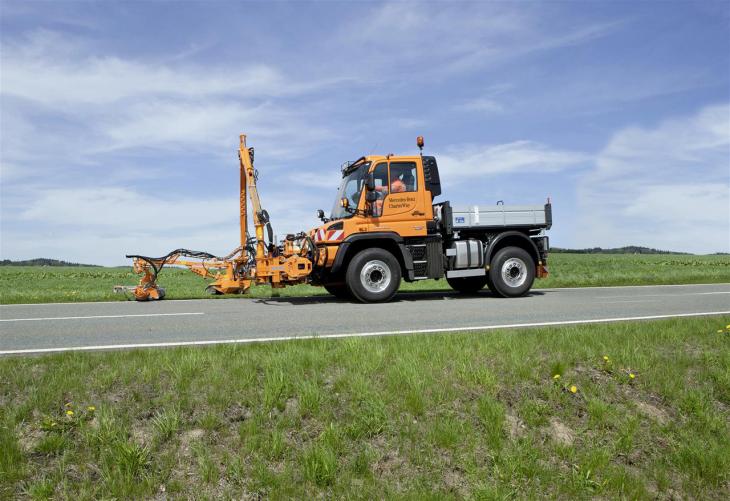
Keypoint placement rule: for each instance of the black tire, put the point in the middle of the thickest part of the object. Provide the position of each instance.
(511, 272)
(468, 285)
(373, 276)
(213, 291)
(340, 291)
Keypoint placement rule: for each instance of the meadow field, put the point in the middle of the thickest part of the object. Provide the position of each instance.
(633, 410)
(33, 284)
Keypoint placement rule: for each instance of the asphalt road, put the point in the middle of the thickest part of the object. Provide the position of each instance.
(115, 325)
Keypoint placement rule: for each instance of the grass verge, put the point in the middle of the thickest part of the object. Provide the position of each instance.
(425, 416)
(34, 284)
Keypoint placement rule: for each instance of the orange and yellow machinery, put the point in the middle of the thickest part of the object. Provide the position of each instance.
(253, 262)
(385, 227)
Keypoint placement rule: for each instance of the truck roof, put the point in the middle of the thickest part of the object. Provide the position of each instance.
(375, 158)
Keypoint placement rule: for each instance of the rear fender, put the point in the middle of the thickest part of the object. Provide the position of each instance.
(513, 238)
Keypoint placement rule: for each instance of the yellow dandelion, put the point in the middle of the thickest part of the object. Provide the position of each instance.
(573, 389)
(727, 326)
(91, 408)
(605, 358)
(556, 377)
(631, 375)
(720, 331)
(69, 412)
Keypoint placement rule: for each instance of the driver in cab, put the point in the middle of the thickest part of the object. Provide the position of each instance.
(397, 185)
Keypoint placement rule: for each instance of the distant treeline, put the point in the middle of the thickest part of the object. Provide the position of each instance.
(41, 261)
(631, 249)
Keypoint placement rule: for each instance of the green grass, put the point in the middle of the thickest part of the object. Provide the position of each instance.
(439, 416)
(31, 284)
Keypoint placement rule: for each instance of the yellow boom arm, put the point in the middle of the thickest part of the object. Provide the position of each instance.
(252, 261)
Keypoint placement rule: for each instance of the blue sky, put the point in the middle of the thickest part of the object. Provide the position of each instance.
(120, 120)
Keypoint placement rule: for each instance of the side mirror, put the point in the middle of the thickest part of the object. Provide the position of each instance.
(320, 215)
(344, 202)
(370, 182)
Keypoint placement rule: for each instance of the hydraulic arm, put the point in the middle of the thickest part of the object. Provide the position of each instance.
(257, 259)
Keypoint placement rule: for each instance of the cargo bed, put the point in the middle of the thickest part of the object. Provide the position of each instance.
(493, 216)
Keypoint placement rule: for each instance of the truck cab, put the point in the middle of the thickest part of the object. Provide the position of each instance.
(385, 226)
(399, 199)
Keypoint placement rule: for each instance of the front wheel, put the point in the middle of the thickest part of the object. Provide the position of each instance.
(373, 276)
(511, 272)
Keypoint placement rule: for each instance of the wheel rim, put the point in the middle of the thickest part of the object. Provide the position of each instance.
(375, 276)
(514, 272)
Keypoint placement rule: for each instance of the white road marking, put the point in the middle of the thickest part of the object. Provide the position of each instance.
(99, 316)
(626, 286)
(347, 335)
(632, 301)
(403, 291)
(668, 295)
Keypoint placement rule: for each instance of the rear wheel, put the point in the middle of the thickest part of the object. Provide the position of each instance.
(373, 275)
(338, 290)
(511, 272)
(468, 285)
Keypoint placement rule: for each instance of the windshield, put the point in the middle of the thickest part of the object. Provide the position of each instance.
(351, 188)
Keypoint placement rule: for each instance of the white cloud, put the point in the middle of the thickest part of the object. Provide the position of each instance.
(515, 157)
(481, 105)
(666, 187)
(101, 225)
(56, 89)
(440, 39)
(688, 204)
(63, 72)
(109, 79)
(123, 208)
(211, 123)
(10, 171)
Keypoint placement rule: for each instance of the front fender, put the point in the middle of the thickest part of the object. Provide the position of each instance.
(359, 241)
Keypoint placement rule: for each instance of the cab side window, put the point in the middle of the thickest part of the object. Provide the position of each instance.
(380, 173)
(403, 177)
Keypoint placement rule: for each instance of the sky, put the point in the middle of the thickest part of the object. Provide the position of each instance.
(119, 121)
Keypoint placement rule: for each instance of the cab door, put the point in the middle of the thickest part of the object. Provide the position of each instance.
(400, 205)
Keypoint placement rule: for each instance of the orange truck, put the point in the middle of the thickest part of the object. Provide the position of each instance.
(385, 227)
